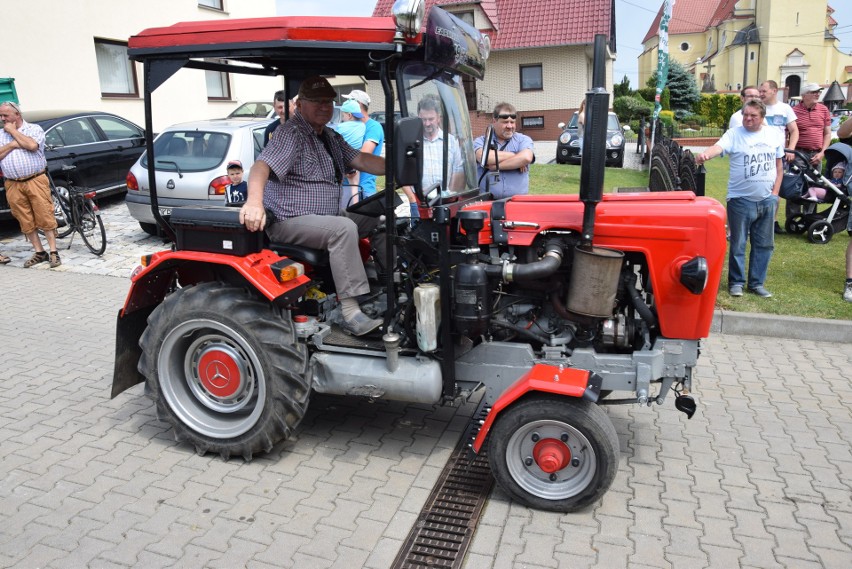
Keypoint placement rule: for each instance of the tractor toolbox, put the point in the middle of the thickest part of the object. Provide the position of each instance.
(214, 229)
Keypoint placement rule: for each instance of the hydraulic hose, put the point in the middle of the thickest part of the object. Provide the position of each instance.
(643, 309)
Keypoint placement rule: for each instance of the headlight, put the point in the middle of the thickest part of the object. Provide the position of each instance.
(694, 275)
(616, 140)
(565, 138)
(408, 16)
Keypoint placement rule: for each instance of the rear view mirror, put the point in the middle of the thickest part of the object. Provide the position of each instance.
(626, 128)
(561, 125)
(408, 138)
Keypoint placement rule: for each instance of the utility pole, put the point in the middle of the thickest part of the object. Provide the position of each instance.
(745, 59)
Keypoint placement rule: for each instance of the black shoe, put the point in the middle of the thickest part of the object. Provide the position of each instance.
(778, 229)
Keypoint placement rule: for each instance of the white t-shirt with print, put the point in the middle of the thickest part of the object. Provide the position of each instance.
(753, 167)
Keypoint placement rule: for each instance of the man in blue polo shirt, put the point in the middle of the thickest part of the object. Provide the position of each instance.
(513, 155)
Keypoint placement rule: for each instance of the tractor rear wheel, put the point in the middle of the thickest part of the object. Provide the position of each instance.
(225, 370)
(554, 453)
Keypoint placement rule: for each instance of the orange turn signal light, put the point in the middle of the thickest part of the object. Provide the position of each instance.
(287, 270)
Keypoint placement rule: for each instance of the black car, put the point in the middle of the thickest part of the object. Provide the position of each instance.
(568, 144)
(102, 146)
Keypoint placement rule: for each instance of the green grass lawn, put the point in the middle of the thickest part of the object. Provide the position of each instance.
(806, 279)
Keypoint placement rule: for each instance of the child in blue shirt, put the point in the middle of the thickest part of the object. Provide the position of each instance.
(237, 192)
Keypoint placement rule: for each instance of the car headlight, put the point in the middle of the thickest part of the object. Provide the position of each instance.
(616, 140)
(565, 138)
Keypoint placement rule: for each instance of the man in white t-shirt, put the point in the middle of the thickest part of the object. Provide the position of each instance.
(753, 184)
(779, 115)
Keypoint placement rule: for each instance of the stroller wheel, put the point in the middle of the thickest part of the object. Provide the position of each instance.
(796, 224)
(820, 232)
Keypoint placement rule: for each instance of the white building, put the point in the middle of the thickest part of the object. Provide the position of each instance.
(73, 55)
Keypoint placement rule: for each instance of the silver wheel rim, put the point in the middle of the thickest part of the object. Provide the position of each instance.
(211, 378)
(561, 484)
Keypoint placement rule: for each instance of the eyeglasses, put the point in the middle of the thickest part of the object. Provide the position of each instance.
(317, 101)
(13, 105)
(504, 116)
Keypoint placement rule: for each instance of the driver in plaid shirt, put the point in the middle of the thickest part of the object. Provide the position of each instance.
(298, 178)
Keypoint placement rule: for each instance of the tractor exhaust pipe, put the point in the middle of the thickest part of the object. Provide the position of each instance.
(593, 161)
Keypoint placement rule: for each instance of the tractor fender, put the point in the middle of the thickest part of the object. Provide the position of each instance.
(157, 277)
(543, 378)
(150, 285)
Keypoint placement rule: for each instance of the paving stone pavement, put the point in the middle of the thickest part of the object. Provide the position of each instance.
(760, 477)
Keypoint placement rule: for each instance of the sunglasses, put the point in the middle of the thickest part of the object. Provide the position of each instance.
(504, 116)
(13, 105)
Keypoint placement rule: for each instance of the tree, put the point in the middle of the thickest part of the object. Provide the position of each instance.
(681, 84)
(622, 89)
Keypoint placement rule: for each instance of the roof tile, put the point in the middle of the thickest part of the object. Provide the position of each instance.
(535, 23)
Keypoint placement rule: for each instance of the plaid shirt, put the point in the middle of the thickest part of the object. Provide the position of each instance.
(304, 179)
(20, 163)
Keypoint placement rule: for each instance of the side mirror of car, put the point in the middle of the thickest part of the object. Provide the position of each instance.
(408, 137)
(560, 125)
(626, 128)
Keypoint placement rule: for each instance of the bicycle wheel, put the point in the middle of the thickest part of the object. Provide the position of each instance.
(61, 210)
(92, 227)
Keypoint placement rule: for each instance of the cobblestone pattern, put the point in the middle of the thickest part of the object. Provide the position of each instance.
(761, 477)
(126, 243)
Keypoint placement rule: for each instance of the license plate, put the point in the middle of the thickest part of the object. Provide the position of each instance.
(165, 211)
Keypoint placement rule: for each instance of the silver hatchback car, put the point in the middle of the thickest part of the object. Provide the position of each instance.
(191, 161)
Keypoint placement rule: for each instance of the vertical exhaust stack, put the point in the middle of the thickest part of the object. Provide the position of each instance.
(595, 272)
(593, 161)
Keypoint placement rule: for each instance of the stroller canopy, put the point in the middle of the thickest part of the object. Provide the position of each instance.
(839, 152)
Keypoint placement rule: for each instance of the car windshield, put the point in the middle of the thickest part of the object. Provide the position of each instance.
(612, 122)
(431, 87)
(189, 150)
(258, 110)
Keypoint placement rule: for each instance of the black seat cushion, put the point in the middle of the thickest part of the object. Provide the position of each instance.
(313, 257)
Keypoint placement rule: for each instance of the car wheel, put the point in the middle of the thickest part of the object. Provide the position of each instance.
(150, 228)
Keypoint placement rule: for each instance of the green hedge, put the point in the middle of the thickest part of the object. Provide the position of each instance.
(717, 108)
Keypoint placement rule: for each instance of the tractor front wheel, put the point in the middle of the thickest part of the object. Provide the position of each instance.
(224, 369)
(554, 453)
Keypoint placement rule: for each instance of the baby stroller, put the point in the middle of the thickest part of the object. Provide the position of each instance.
(818, 225)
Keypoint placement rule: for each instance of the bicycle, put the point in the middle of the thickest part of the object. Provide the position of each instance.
(75, 207)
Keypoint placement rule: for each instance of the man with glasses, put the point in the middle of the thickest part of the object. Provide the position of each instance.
(748, 93)
(754, 180)
(27, 187)
(298, 178)
(508, 171)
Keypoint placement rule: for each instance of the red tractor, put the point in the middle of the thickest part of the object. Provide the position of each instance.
(545, 306)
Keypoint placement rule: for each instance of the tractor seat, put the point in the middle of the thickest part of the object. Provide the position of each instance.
(313, 257)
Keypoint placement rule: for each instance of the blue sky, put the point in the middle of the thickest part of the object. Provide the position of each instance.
(632, 20)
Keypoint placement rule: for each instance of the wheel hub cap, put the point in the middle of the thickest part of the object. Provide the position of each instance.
(551, 455)
(220, 373)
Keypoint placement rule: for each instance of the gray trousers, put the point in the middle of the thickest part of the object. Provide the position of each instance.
(339, 235)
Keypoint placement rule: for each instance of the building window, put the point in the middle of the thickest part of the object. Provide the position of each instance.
(215, 4)
(466, 17)
(218, 84)
(532, 122)
(116, 72)
(684, 46)
(751, 56)
(531, 79)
